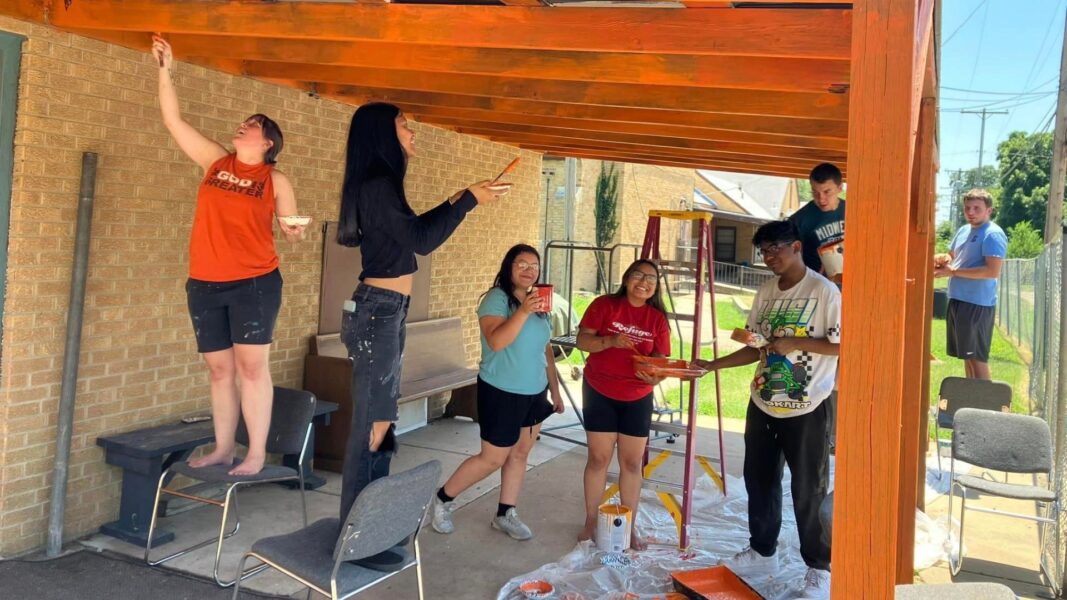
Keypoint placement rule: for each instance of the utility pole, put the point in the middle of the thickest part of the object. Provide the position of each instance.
(984, 114)
(1054, 210)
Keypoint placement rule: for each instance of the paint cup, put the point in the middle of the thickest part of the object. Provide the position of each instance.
(544, 290)
(613, 528)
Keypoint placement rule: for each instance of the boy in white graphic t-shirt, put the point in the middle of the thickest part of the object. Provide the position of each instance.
(799, 313)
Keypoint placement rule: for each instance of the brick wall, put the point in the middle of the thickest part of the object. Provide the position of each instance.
(139, 366)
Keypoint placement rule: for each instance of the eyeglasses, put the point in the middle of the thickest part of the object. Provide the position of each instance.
(775, 248)
(526, 266)
(638, 276)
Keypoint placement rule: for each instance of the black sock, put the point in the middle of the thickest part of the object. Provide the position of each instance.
(502, 509)
(442, 496)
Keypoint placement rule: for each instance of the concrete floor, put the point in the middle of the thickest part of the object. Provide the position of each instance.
(476, 561)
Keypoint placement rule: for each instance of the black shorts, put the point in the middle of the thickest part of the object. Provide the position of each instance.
(606, 415)
(970, 330)
(234, 312)
(502, 415)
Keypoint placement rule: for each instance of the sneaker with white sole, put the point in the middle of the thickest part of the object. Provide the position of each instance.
(442, 516)
(816, 585)
(512, 525)
(750, 562)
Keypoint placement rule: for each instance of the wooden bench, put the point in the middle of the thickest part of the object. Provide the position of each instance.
(434, 363)
(144, 454)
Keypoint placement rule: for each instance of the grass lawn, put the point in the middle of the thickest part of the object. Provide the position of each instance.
(1005, 362)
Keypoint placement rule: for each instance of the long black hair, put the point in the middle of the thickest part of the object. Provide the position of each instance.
(373, 151)
(503, 276)
(656, 301)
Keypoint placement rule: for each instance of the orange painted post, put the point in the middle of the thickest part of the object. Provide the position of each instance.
(916, 399)
(881, 141)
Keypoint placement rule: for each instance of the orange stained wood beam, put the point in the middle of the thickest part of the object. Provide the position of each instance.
(437, 113)
(663, 97)
(881, 142)
(535, 108)
(663, 161)
(769, 32)
(725, 148)
(916, 349)
(735, 72)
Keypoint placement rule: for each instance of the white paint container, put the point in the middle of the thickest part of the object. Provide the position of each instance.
(613, 528)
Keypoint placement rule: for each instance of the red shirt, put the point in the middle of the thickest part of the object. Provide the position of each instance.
(611, 371)
(233, 236)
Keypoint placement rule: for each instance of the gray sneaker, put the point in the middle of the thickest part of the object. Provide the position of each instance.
(512, 525)
(442, 516)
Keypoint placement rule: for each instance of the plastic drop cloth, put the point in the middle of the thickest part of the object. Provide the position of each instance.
(719, 529)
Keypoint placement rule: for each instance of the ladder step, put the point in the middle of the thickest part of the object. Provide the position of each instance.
(665, 410)
(565, 341)
(654, 450)
(657, 485)
(681, 317)
(670, 428)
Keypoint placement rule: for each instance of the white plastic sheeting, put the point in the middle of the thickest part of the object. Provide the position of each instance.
(719, 529)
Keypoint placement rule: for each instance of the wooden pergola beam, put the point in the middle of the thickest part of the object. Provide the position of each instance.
(534, 108)
(726, 149)
(663, 161)
(660, 97)
(769, 32)
(875, 315)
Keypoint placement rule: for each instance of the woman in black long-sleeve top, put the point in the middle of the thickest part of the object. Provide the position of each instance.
(375, 216)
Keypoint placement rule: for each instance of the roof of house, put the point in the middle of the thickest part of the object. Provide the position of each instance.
(759, 196)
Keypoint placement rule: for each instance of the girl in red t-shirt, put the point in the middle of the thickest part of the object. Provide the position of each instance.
(616, 401)
(234, 288)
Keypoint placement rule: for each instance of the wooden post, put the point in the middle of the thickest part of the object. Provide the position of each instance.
(880, 147)
(916, 401)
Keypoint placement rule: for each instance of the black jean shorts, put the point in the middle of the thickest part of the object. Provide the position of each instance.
(607, 415)
(225, 313)
(969, 328)
(502, 415)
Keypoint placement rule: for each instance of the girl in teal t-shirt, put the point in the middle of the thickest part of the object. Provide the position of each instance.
(516, 375)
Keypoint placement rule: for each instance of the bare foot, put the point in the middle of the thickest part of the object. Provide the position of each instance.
(587, 533)
(218, 457)
(249, 466)
(637, 543)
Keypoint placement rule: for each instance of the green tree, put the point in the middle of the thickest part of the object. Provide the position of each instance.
(1024, 241)
(945, 231)
(605, 210)
(1025, 161)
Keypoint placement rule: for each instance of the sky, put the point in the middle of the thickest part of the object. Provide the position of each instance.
(998, 55)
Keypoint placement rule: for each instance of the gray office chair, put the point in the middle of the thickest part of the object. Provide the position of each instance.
(960, 392)
(290, 429)
(387, 512)
(1008, 443)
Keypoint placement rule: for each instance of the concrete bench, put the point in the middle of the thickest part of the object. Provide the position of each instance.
(144, 454)
(434, 363)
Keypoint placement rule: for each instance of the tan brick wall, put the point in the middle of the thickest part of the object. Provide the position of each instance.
(139, 366)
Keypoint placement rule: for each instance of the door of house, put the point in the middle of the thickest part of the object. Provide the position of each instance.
(726, 244)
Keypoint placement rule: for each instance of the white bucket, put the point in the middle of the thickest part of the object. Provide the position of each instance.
(613, 528)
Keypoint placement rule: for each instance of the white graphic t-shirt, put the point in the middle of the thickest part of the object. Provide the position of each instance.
(795, 384)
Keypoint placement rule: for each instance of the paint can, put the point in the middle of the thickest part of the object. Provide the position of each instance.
(613, 528)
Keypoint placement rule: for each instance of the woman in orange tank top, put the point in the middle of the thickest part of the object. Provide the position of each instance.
(234, 287)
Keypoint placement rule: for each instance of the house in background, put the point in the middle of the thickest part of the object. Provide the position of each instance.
(739, 204)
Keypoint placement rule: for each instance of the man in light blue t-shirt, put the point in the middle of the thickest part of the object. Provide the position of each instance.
(973, 264)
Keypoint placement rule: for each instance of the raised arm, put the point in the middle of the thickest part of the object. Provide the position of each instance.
(197, 147)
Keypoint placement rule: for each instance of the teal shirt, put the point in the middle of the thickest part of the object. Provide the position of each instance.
(820, 232)
(520, 368)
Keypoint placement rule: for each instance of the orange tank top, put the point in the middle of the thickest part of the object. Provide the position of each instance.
(233, 236)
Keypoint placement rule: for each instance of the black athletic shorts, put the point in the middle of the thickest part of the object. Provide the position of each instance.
(234, 312)
(970, 330)
(502, 415)
(606, 415)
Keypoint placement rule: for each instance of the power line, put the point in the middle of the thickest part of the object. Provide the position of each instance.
(960, 26)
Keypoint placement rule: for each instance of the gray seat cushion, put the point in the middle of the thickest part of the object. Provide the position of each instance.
(309, 554)
(1006, 490)
(955, 591)
(220, 473)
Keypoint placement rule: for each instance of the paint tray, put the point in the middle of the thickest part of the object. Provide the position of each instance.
(713, 583)
(666, 367)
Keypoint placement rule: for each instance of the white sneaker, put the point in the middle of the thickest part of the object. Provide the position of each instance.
(816, 585)
(750, 562)
(442, 516)
(512, 525)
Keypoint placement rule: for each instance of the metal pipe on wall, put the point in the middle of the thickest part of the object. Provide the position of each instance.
(68, 387)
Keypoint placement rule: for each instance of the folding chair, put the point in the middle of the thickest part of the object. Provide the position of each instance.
(290, 428)
(386, 513)
(960, 392)
(1009, 443)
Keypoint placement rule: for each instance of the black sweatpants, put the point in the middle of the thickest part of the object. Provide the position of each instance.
(770, 443)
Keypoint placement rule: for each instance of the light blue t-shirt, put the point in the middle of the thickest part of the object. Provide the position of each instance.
(970, 247)
(520, 368)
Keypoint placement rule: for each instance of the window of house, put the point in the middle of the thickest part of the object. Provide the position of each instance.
(726, 244)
